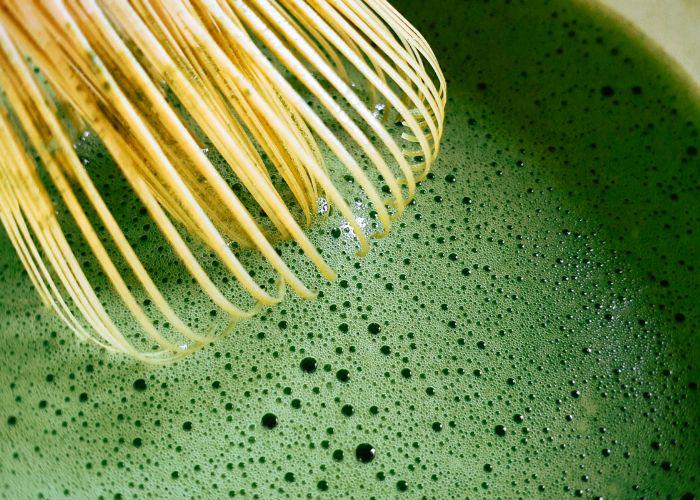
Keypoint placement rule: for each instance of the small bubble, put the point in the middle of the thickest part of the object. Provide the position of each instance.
(140, 385)
(365, 452)
(269, 420)
(343, 375)
(308, 364)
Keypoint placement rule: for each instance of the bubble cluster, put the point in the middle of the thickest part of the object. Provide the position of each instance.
(529, 329)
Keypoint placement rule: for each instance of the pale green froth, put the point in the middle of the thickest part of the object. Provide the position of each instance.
(554, 279)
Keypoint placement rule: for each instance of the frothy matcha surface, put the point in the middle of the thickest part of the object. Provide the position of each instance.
(529, 328)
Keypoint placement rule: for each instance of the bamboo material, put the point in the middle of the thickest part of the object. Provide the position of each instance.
(274, 86)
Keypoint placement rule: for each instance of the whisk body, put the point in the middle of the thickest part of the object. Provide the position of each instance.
(230, 120)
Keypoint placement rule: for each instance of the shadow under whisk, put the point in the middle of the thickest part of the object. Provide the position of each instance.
(225, 124)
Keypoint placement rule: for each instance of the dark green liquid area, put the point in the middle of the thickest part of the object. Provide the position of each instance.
(529, 329)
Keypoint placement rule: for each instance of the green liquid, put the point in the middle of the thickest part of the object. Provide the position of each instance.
(530, 328)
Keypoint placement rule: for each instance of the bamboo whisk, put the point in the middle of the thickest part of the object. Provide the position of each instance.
(274, 86)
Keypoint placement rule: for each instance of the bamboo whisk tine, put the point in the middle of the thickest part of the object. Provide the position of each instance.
(272, 86)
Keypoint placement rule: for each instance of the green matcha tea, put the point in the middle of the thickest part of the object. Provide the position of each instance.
(528, 329)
